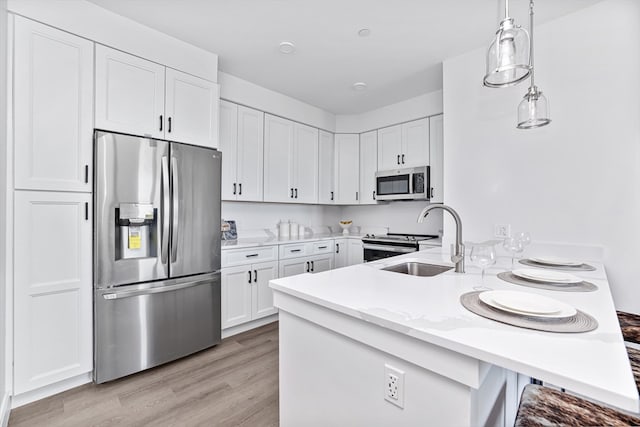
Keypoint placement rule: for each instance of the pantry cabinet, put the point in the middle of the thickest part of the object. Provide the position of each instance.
(290, 161)
(436, 157)
(140, 97)
(347, 170)
(368, 167)
(53, 105)
(404, 146)
(241, 144)
(326, 179)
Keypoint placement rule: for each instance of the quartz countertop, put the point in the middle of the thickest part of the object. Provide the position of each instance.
(593, 364)
(252, 242)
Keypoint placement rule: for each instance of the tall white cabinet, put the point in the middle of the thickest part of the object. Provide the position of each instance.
(347, 170)
(368, 167)
(326, 179)
(436, 158)
(53, 99)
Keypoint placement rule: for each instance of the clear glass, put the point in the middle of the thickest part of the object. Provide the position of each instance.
(512, 245)
(482, 255)
(533, 111)
(508, 56)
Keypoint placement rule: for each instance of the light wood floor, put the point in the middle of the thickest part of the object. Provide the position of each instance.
(232, 384)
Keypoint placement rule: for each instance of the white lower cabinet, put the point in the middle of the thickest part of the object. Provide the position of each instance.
(246, 294)
(310, 264)
(52, 288)
(341, 253)
(355, 252)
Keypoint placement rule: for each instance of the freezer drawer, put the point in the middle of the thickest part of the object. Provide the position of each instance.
(141, 326)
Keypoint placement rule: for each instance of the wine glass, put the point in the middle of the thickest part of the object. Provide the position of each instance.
(482, 255)
(512, 245)
(525, 238)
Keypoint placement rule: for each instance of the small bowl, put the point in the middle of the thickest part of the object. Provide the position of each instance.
(345, 226)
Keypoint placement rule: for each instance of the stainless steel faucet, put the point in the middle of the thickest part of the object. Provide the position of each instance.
(457, 250)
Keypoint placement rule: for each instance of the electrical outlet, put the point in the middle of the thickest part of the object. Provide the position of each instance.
(394, 385)
(502, 231)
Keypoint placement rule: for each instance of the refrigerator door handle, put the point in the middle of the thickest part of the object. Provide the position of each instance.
(176, 208)
(156, 290)
(164, 245)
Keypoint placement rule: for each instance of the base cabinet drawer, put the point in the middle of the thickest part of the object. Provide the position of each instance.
(233, 257)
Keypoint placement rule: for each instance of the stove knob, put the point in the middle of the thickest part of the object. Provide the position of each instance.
(366, 236)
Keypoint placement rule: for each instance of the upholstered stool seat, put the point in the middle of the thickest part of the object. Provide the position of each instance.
(543, 406)
(630, 326)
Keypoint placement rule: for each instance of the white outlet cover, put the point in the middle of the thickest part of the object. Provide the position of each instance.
(502, 230)
(391, 375)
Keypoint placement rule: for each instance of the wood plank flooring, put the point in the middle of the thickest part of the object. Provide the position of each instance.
(232, 384)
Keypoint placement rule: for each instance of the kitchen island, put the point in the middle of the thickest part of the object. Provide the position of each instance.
(342, 331)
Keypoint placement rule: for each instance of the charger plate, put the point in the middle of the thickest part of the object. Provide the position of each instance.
(583, 286)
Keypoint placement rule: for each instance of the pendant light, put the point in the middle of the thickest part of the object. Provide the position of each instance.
(533, 111)
(508, 54)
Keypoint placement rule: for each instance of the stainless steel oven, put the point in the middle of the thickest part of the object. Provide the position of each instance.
(392, 244)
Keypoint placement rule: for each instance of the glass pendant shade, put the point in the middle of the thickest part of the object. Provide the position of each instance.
(508, 56)
(533, 111)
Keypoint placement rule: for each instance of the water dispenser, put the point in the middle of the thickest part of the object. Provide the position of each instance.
(136, 235)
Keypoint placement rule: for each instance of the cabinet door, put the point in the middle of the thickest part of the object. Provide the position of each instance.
(262, 295)
(278, 155)
(436, 158)
(326, 191)
(53, 103)
(191, 106)
(389, 147)
(415, 143)
(52, 288)
(347, 169)
(129, 94)
(355, 252)
(368, 167)
(305, 164)
(235, 295)
(250, 154)
(321, 263)
(341, 253)
(229, 149)
(292, 267)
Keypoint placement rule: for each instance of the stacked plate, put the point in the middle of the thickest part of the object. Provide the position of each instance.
(527, 304)
(556, 261)
(546, 276)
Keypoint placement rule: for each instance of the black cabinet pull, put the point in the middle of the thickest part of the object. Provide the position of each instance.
(234, 188)
(322, 247)
(307, 266)
(295, 250)
(403, 159)
(255, 276)
(296, 193)
(312, 267)
(251, 255)
(86, 211)
(160, 122)
(432, 192)
(332, 195)
(240, 192)
(374, 194)
(292, 193)
(169, 127)
(398, 159)
(86, 174)
(249, 275)
(337, 248)
(356, 195)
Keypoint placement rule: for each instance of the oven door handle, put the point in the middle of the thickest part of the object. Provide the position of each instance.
(386, 248)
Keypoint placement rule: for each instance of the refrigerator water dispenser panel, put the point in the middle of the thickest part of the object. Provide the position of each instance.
(135, 231)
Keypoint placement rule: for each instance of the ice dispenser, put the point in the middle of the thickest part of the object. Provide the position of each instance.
(137, 236)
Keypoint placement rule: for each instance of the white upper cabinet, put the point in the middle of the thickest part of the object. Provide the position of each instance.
(347, 161)
(129, 93)
(368, 167)
(326, 189)
(191, 107)
(241, 143)
(436, 157)
(305, 164)
(140, 97)
(278, 152)
(53, 108)
(404, 146)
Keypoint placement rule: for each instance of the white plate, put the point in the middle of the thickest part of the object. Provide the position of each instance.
(546, 276)
(526, 303)
(552, 260)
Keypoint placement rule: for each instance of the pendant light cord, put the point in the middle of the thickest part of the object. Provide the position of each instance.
(531, 41)
(506, 9)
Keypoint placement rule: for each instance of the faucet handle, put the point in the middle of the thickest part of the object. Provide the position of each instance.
(457, 253)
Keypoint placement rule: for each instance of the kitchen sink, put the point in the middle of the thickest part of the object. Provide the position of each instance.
(421, 269)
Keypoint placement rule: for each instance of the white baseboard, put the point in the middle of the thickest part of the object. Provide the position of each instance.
(5, 410)
(235, 330)
(40, 393)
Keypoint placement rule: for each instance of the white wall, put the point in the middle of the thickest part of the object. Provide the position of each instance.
(574, 181)
(235, 89)
(424, 105)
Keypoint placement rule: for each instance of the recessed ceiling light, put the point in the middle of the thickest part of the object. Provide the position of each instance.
(287, 47)
(364, 32)
(359, 86)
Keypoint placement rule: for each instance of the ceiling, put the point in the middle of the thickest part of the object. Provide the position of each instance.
(400, 59)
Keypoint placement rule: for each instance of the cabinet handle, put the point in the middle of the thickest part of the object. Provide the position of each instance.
(403, 159)
(160, 122)
(295, 250)
(234, 188)
(312, 267)
(432, 192)
(251, 255)
(356, 195)
(337, 248)
(86, 174)
(296, 193)
(292, 193)
(398, 159)
(240, 186)
(332, 195)
(322, 247)
(374, 194)
(308, 266)
(255, 276)
(249, 275)
(169, 126)
(86, 211)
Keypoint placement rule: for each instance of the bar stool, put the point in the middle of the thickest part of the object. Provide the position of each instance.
(543, 406)
(630, 326)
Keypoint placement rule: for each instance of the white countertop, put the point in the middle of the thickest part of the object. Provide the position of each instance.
(252, 242)
(594, 363)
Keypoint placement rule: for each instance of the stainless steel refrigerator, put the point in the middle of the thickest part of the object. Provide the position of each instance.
(156, 252)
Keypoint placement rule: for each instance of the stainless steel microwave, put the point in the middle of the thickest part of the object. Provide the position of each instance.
(403, 184)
